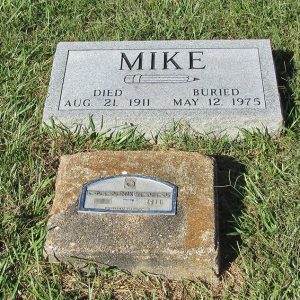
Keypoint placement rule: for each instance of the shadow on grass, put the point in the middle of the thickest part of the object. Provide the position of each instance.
(230, 171)
(285, 70)
(230, 183)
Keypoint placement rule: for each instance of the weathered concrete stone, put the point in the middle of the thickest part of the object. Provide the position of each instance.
(184, 245)
(215, 86)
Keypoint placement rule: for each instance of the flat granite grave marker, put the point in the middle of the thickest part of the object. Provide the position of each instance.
(215, 86)
(140, 211)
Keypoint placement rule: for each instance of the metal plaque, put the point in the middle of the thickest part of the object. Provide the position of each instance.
(130, 194)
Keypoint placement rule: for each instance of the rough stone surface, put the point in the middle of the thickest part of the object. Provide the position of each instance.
(184, 245)
(215, 86)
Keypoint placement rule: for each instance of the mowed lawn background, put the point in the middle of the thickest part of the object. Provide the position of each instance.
(260, 175)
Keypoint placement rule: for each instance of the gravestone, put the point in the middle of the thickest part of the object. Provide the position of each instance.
(144, 211)
(215, 86)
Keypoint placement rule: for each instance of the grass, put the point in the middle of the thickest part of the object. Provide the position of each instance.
(259, 193)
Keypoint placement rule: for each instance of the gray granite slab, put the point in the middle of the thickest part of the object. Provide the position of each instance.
(215, 86)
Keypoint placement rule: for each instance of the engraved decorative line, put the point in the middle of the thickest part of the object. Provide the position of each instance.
(63, 81)
(261, 78)
(158, 79)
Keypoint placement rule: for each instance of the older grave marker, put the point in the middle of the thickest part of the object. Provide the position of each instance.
(140, 211)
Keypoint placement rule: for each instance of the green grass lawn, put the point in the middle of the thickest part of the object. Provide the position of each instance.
(260, 175)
